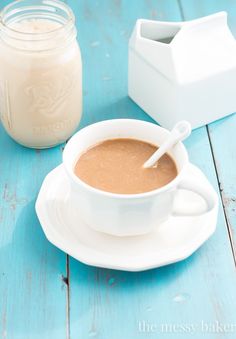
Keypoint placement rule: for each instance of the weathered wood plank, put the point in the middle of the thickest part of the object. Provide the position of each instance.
(110, 304)
(33, 293)
(222, 133)
(192, 9)
(33, 296)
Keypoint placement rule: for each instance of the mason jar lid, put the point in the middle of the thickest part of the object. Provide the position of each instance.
(15, 33)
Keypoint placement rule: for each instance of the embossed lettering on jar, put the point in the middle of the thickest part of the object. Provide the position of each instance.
(40, 72)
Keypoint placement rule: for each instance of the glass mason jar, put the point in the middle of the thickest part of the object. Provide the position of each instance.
(40, 72)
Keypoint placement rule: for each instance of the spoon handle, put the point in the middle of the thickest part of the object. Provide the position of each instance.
(180, 132)
(160, 152)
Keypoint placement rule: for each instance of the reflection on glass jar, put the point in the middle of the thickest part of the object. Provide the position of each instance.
(40, 72)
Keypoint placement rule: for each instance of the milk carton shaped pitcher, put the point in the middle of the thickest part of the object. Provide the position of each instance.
(183, 70)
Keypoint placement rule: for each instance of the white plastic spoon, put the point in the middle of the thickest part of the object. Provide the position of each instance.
(180, 132)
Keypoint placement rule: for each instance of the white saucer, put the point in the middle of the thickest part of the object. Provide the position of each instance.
(173, 241)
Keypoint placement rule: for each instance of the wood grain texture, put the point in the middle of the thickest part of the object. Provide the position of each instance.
(33, 295)
(108, 304)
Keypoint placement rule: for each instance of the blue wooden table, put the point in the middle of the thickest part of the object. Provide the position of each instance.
(46, 294)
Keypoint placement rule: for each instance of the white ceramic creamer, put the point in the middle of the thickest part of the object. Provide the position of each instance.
(183, 70)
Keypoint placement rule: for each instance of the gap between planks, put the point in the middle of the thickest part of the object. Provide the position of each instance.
(230, 234)
(67, 272)
(66, 280)
(222, 198)
(67, 296)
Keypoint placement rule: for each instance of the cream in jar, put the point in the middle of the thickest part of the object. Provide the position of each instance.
(40, 73)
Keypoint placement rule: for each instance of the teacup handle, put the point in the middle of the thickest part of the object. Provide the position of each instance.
(208, 195)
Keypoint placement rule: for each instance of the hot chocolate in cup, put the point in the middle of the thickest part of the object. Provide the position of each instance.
(127, 214)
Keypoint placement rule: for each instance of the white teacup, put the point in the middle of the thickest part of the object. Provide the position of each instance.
(127, 214)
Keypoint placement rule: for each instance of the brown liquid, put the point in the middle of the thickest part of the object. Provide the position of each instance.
(115, 166)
